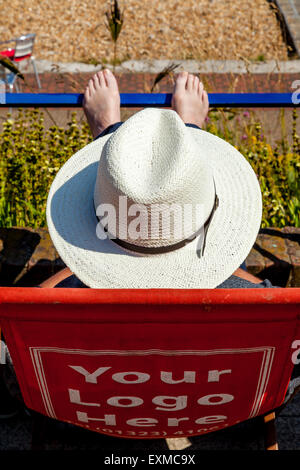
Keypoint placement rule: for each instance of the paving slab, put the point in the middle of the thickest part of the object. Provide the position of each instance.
(155, 66)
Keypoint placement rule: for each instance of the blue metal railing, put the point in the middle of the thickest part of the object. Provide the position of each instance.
(142, 100)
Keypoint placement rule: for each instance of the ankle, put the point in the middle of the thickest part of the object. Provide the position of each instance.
(109, 129)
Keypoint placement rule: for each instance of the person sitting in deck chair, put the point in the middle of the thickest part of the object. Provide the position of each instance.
(159, 165)
(154, 202)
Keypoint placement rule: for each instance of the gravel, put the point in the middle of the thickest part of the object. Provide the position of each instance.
(75, 31)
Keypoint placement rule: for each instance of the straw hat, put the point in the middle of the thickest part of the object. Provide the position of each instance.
(156, 204)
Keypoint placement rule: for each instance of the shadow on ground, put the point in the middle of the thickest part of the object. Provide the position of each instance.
(15, 434)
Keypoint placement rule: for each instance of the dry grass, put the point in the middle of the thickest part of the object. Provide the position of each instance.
(74, 30)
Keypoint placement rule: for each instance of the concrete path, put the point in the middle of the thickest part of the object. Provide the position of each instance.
(156, 66)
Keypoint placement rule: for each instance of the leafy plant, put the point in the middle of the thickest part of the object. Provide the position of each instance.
(277, 166)
(115, 20)
(30, 157)
(164, 73)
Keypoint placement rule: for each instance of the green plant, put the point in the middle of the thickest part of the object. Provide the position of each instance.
(90, 61)
(260, 58)
(30, 156)
(115, 19)
(164, 73)
(276, 166)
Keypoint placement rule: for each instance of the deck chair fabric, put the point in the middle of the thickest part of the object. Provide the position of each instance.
(152, 363)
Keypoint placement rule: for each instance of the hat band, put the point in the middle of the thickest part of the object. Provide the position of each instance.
(166, 249)
(153, 250)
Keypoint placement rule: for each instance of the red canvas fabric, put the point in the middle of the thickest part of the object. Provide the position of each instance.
(11, 53)
(151, 364)
(8, 53)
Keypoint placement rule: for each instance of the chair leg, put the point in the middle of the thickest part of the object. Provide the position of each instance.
(178, 443)
(36, 72)
(270, 432)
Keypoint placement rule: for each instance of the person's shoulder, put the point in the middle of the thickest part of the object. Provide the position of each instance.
(235, 282)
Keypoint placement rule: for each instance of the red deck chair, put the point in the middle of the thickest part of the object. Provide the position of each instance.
(148, 364)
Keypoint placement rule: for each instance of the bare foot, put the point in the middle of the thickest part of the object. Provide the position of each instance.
(189, 99)
(101, 102)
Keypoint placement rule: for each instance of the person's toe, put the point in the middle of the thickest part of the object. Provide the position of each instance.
(205, 103)
(110, 79)
(200, 88)
(87, 94)
(100, 79)
(180, 82)
(91, 86)
(205, 100)
(196, 84)
(190, 82)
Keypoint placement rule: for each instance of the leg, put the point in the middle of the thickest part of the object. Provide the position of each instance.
(109, 130)
(190, 100)
(101, 102)
(113, 127)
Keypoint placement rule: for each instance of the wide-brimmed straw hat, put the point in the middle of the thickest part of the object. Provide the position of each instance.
(156, 204)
